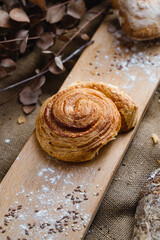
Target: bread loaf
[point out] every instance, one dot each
(147, 226)
(140, 19)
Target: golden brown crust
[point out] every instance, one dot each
(140, 19)
(147, 218)
(75, 123)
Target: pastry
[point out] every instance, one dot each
(147, 226)
(75, 123)
(140, 19)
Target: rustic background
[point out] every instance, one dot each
(115, 217)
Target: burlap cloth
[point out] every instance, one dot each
(115, 217)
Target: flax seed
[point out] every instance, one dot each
(85, 198)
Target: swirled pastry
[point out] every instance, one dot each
(75, 123)
(140, 19)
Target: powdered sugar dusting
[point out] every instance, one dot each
(129, 61)
(134, 55)
(54, 209)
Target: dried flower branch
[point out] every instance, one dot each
(24, 26)
(80, 30)
(19, 39)
(47, 70)
(22, 22)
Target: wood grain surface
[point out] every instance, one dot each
(43, 198)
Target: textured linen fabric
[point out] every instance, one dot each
(115, 217)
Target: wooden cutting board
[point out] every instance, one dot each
(42, 198)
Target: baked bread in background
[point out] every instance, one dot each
(75, 123)
(147, 226)
(140, 19)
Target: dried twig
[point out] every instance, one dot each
(47, 70)
(24, 81)
(75, 35)
(21, 39)
(62, 4)
(80, 30)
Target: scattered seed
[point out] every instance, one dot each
(85, 198)
(42, 226)
(26, 232)
(101, 227)
(58, 208)
(19, 207)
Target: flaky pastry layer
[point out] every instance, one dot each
(75, 123)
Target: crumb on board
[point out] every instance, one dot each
(155, 138)
(158, 162)
(21, 119)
